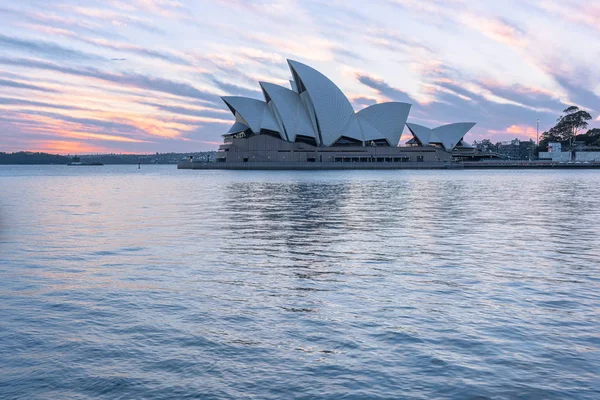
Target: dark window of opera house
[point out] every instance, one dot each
(346, 141)
(306, 139)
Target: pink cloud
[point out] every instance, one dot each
(586, 12)
(522, 132)
(495, 29)
(67, 147)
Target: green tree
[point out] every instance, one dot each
(570, 123)
(488, 146)
(591, 137)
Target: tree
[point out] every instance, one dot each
(485, 146)
(571, 122)
(488, 146)
(591, 137)
(567, 125)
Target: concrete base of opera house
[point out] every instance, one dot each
(264, 152)
(276, 165)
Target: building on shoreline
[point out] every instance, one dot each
(555, 153)
(314, 122)
(516, 149)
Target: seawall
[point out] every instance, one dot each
(383, 165)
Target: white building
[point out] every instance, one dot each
(316, 112)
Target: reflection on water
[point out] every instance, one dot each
(158, 283)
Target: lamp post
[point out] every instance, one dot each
(537, 132)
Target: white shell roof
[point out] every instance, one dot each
(420, 132)
(291, 110)
(332, 109)
(451, 134)
(237, 127)
(315, 107)
(446, 135)
(353, 129)
(252, 112)
(387, 119)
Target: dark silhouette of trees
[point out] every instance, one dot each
(486, 146)
(27, 157)
(567, 125)
(590, 138)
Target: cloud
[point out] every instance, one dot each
(116, 46)
(128, 79)
(581, 96)
(260, 55)
(531, 97)
(48, 49)
(583, 12)
(20, 85)
(194, 112)
(344, 53)
(117, 19)
(310, 47)
(236, 90)
(30, 103)
(457, 103)
(141, 51)
(103, 137)
(521, 130)
(110, 125)
(496, 29)
(50, 19)
(66, 147)
(383, 88)
(396, 42)
(360, 102)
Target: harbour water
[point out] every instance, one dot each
(158, 283)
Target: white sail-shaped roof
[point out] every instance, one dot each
(420, 132)
(253, 113)
(269, 122)
(387, 119)
(290, 109)
(237, 127)
(369, 131)
(449, 135)
(251, 110)
(446, 135)
(316, 108)
(353, 129)
(332, 110)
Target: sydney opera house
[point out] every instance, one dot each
(314, 122)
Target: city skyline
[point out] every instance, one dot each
(147, 75)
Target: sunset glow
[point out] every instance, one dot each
(146, 75)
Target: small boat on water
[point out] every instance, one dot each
(76, 161)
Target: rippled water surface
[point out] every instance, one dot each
(158, 283)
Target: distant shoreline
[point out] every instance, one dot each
(34, 158)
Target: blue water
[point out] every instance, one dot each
(158, 283)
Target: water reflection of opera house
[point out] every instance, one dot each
(315, 122)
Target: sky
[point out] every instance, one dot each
(146, 76)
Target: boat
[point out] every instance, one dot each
(76, 161)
